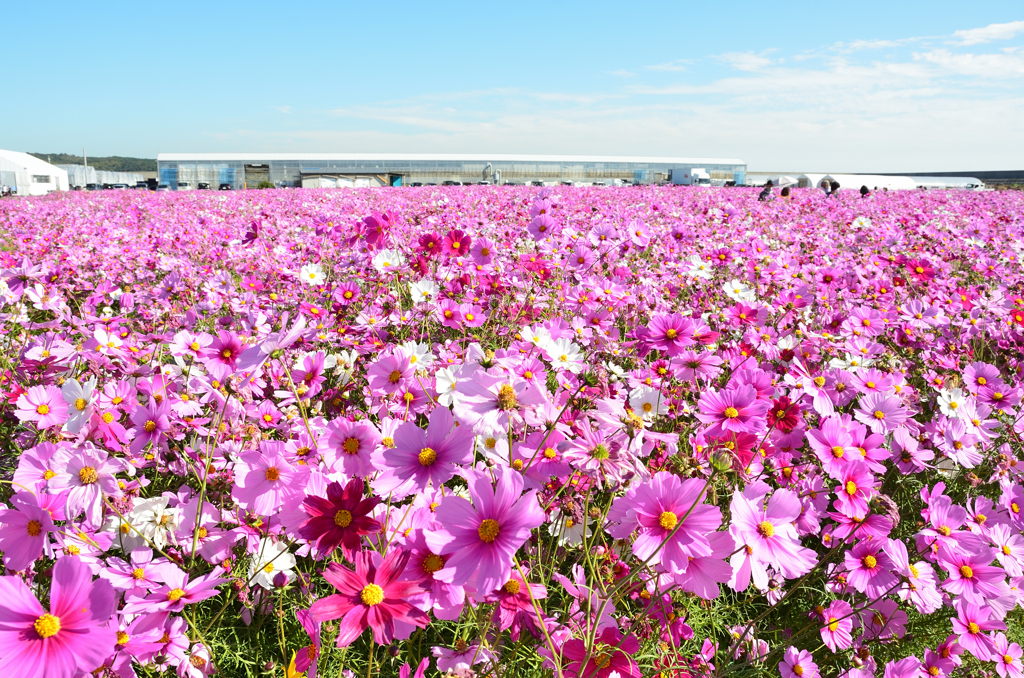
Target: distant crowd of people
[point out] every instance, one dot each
(831, 189)
(6, 191)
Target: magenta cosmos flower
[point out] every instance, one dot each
(670, 333)
(611, 656)
(481, 538)
(176, 592)
(44, 405)
(421, 459)
(736, 409)
(340, 519)
(371, 597)
(71, 639)
(26, 530)
(88, 474)
(837, 620)
(881, 413)
(970, 625)
(668, 536)
(798, 664)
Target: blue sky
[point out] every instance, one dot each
(865, 86)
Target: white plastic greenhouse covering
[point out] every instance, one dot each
(83, 176)
(32, 176)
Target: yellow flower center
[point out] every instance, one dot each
(88, 475)
(507, 399)
(175, 595)
(966, 572)
(43, 410)
(34, 528)
(80, 404)
(395, 376)
(350, 446)
(427, 456)
(149, 426)
(944, 531)
(272, 474)
(138, 573)
(550, 453)
(668, 520)
(432, 563)
(488, 530)
(47, 626)
(122, 638)
(671, 334)
(870, 561)
(838, 452)
(511, 587)
(833, 624)
(819, 381)
(798, 670)
(372, 595)
(973, 627)
(47, 474)
(343, 518)
(766, 529)
(731, 412)
(851, 488)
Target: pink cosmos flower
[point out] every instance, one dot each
(424, 458)
(673, 523)
(798, 664)
(881, 413)
(225, 350)
(44, 405)
(856, 485)
(176, 593)
(735, 409)
(481, 538)
(768, 535)
(88, 473)
(350, 445)
(670, 333)
(837, 620)
(869, 568)
(542, 227)
(970, 624)
(151, 424)
(456, 243)
(373, 596)
(265, 478)
(71, 639)
(1007, 657)
(832, 443)
(489, 403)
(25, 533)
(884, 620)
(390, 373)
(971, 575)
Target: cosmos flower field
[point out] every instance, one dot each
(512, 431)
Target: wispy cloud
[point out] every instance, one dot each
(976, 65)
(677, 66)
(745, 61)
(990, 33)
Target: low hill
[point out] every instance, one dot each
(114, 163)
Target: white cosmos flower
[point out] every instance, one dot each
(419, 353)
(648, 402)
(698, 268)
(387, 260)
(80, 398)
(271, 557)
(951, 403)
(537, 337)
(312, 274)
(423, 291)
(739, 291)
(568, 532)
(446, 381)
(154, 520)
(564, 354)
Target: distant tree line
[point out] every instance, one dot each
(114, 163)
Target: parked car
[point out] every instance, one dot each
(184, 186)
(225, 187)
(163, 187)
(93, 187)
(203, 186)
(141, 184)
(119, 187)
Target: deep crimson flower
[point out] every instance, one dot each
(340, 519)
(371, 597)
(783, 414)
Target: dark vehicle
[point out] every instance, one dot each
(203, 186)
(119, 187)
(141, 184)
(93, 187)
(163, 187)
(107, 187)
(416, 183)
(452, 183)
(225, 187)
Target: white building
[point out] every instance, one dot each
(30, 175)
(874, 182)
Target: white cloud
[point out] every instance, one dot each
(745, 61)
(677, 65)
(977, 36)
(977, 65)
